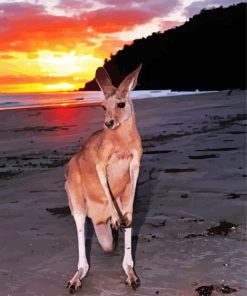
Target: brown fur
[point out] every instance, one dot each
(110, 147)
(102, 176)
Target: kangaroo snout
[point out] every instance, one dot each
(109, 124)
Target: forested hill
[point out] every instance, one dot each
(208, 52)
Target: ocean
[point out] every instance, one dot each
(29, 100)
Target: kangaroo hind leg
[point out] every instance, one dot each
(76, 203)
(128, 264)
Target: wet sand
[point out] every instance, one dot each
(189, 231)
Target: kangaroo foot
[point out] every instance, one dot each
(132, 279)
(75, 282)
(73, 286)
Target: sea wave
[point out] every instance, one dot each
(29, 100)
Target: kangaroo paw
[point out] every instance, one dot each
(127, 220)
(115, 222)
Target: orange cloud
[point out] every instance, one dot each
(55, 46)
(27, 27)
(115, 20)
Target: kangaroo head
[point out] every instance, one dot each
(117, 104)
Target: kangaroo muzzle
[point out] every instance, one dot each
(109, 124)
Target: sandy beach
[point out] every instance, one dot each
(189, 231)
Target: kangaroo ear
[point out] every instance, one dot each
(129, 83)
(104, 82)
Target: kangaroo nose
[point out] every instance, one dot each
(109, 124)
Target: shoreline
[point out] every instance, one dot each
(53, 106)
(87, 102)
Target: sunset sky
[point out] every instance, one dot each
(58, 44)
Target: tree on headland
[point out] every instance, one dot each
(208, 52)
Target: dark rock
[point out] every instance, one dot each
(223, 229)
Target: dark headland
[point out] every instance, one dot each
(208, 52)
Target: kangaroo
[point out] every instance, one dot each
(101, 178)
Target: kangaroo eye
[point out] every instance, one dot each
(121, 105)
(104, 107)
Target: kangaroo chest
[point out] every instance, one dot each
(119, 162)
